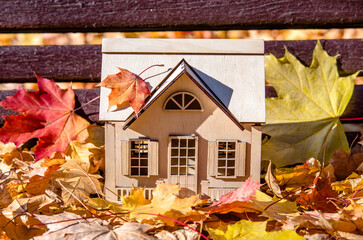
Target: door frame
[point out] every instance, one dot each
(188, 183)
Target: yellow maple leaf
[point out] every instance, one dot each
(304, 116)
(245, 229)
(165, 202)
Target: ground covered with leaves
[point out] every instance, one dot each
(61, 197)
(52, 164)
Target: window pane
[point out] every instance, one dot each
(183, 171)
(183, 161)
(178, 98)
(135, 171)
(174, 161)
(143, 171)
(171, 105)
(222, 154)
(174, 152)
(222, 145)
(143, 162)
(194, 105)
(183, 152)
(187, 98)
(174, 170)
(183, 142)
(221, 163)
(230, 172)
(174, 143)
(221, 172)
(231, 154)
(232, 145)
(230, 163)
(191, 152)
(134, 154)
(191, 142)
(134, 162)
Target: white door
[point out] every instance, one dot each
(183, 163)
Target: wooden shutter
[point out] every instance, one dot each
(241, 159)
(153, 158)
(125, 149)
(212, 159)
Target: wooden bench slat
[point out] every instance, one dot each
(90, 112)
(82, 63)
(166, 15)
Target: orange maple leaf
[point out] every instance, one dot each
(47, 114)
(126, 88)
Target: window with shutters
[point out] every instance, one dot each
(226, 158)
(139, 157)
(182, 101)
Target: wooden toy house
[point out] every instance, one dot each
(199, 127)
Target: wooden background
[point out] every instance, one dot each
(83, 63)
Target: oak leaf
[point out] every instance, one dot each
(47, 114)
(126, 88)
(305, 114)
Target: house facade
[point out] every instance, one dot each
(189, 130)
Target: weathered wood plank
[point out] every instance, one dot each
(90, 112)
(62, 63)
(164, 15)
(83, 63)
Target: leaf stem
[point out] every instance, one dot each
(155, 65)
(76, 219)
(351, 119)
(174, 220)
(96, 98)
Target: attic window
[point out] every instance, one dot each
(182, 101)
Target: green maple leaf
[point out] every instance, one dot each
(304, 119)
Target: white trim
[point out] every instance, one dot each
(185, 46)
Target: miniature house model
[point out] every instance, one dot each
(199, 127)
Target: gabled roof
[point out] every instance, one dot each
(181, 68)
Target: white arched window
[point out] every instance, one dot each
(182, 101)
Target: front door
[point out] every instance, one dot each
(183, 163)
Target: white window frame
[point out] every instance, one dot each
(226, 159)
(147, 158)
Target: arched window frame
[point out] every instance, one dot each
(183, 107)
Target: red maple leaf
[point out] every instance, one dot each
(47, 114)
(126, 88)
(235, 199)
(320, 196)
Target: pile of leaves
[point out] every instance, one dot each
(52, 162)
